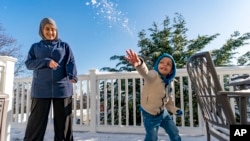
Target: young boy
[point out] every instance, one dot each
(154, 95)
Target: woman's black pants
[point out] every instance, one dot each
(38, 119)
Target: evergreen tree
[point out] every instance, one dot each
(173, 39)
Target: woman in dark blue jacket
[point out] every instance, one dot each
(54, 71)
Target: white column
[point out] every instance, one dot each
(7, 80)
(93, 97)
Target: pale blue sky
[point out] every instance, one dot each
(99, 29)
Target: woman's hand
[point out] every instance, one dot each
(132, 58)
(72, 80)
(53, 64)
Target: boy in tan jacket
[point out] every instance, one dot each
(155, 98)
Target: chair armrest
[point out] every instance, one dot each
(235, 93)
(242, 82)
(242, 96)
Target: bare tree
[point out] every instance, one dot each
(10, 47)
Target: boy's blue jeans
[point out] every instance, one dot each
(153, 122)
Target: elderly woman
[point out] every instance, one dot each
(54, 71)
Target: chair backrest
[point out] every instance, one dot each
(206, 85)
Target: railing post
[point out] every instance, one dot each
(7, 80)
(93, 97)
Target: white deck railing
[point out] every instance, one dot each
(7, 65)
(106, 101)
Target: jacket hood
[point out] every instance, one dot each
(45, 21)
(171, 76)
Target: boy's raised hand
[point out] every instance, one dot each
(132, 58)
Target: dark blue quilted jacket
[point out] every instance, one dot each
(49, 83)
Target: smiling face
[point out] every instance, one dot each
(49, 31)
(165, 66)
